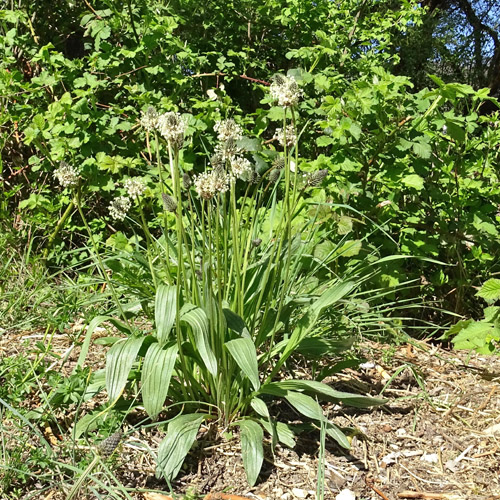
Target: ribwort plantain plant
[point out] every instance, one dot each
(231, 303)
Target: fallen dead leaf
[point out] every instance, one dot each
(156, 496)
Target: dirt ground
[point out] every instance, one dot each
(437, 437)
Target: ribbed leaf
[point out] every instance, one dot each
(260, 407)
(165, 310)
(308, 321)
(335, 433)
(252, 450)
(319, 346)
(285, 434)
(90, 330)
(323, 390)
(244, 353)
(236, 323)
(181, 434)
(305, 404)
(157, 370)
(310, 408)
(119, 361)
(196, 318)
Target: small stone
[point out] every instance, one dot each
(431, 458)
(346, 495)
(298, 493)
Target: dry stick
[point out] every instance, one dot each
(376, 490)
(484, 404)
(427, 496)
(245, 77)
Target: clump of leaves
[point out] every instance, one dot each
(232, 300)
(482, 336)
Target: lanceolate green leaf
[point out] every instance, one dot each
(305, 405)
(157, 370)
(252, 450)
(324, 391)
(181, 434)
(284, 432)
(119, 361)
(310, 408)
(244, 353)
(196, 318)
(260, 407)
(90, 330)
(308, 321)
(165, 310)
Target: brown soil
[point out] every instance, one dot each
(434, 441)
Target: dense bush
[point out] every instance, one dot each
(75, 82)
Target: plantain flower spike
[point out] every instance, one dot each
(228, 129)
(109, 445)
(119, 207)
(66, 174)
(285, 91)
(169, 204)
(149, 119)
(209, 184)
(316, 178)
(134, 187)
(288, 137)
(172, 126)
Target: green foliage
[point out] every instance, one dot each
(481, 336)
(232, 286)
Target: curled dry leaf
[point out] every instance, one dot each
(156, 496)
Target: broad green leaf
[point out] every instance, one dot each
(335, 433)
(490, 291)
(324, 140)
(307, 406)
(323, 390)
(285, 434)
(244, 353)
(349, 249)
(304, 326)
(477, 336)
(260, 407)
(422, 149)
(181, 434)
(252, 450)
(320, 346)
(90, 330)
(119, 360)
(344, 225)
(197, 319)
(165, 311)
(157, 370)
(236, 323)
(455, 131)
(414, 181)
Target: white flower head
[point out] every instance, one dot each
(66, 174)
(285, 90)
(288, 135)
(134, 186)
(149, 118)
(228, 129)
(228, 149)
(119, 207)
(172, 126)
(241, 167)
(208, 184)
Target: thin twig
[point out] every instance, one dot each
(245, 77)
(428, 496)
